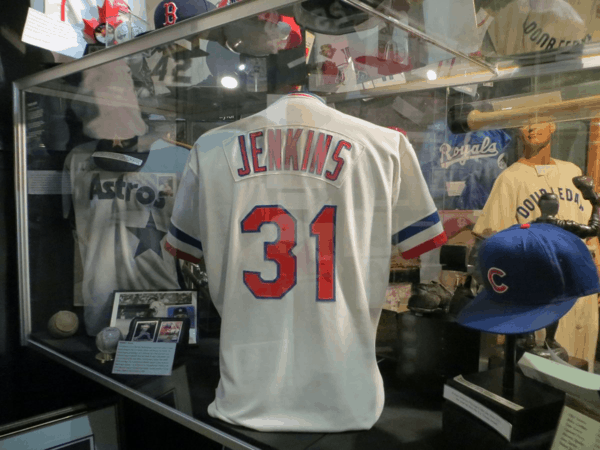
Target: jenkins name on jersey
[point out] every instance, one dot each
(294, 210)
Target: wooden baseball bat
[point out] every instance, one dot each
(464, 118)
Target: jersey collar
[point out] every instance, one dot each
(306, 95)
(530, 164)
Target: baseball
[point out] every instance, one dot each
(63, 324)
(108, 339)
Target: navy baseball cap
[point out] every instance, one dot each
(170, 12)
(533, 274)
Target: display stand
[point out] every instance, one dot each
(500, 408)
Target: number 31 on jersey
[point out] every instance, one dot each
(322, 228)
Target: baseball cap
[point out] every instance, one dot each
(533, 275)
(331, 16)
(170, 12)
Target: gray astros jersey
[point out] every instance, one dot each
(121, 221)
(294, 210)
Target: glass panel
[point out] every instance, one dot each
(107, 147)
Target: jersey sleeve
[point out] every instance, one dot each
(500, 209)
(416, 224)
(183, 239)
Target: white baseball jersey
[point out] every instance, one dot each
(71, 11)
(121, 221)
(294, 210)
(536, 25)
(116, 112)
(516, 191)
(177, 69)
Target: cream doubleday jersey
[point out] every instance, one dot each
(294, 210)
(535, 25)
(121, 222)
(516, 192)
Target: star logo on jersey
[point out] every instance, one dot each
(150, 238)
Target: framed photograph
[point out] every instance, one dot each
(87, 430)
(170, 331)
(148, 307)
(145, 330)
(161, 329)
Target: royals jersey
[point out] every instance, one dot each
(294, 210)
(460, 169)
(516, 192)
(121, 222)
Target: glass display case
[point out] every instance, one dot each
(102, 144)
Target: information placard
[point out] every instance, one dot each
(144, 358)
(576, 431)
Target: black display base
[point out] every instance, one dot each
(464, 431)
(432, 349)
(541, 404)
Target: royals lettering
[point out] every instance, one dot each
(466, 152)
(126, 191)
(300, 150)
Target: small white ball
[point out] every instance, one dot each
(63, 324)
(108, 339)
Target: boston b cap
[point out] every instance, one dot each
(174, 11)
(533, 274)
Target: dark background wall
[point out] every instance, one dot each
(31, 383)
(14, 66)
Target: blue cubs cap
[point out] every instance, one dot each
(174, 11)
(533, 274)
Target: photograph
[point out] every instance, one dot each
(145, 331)
(181, 312)
(169, 331)
(128, 305)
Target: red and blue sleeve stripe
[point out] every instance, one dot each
(420, 237)
(183, 246)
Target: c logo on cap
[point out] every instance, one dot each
(499, 288)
